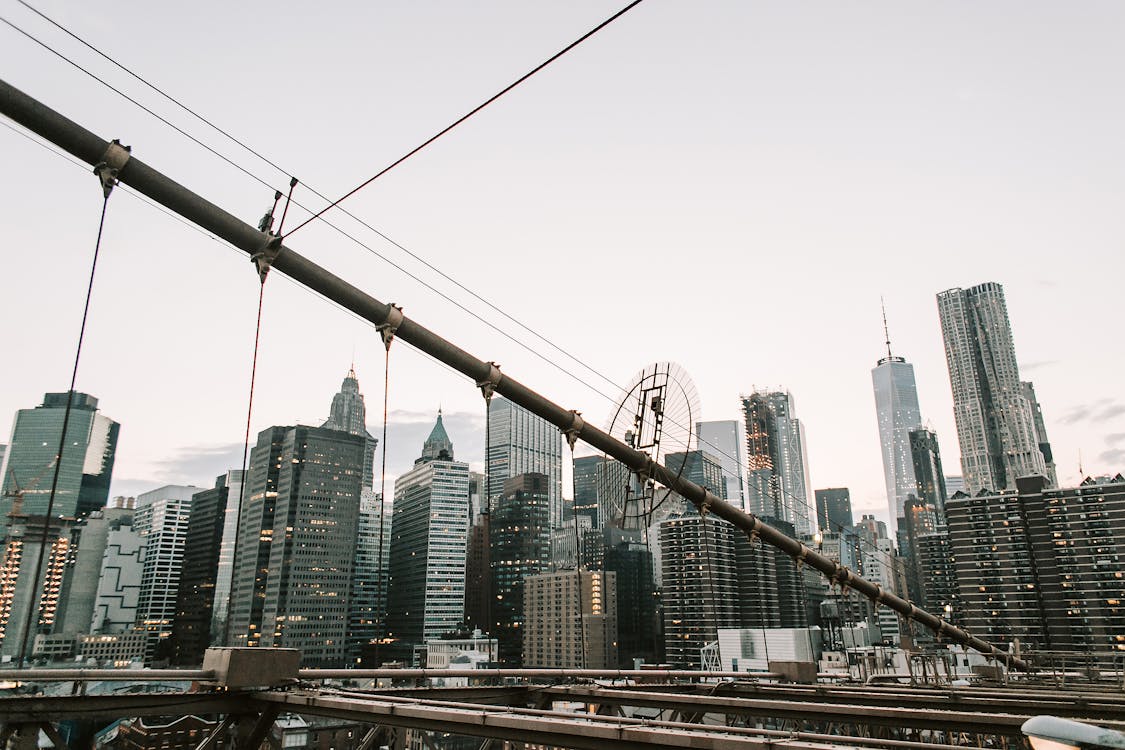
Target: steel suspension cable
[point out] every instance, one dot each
(469, 114)
(33, 611)
(381, 576)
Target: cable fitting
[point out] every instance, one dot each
(489, 385)
(388, 328)
(705, 506)
(265, 257)
(576, 425)
(113, 161)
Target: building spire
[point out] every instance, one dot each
(886, 331)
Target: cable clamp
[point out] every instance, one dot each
(705, 506)
(576, 425)
(113, 161)
(388, 328)
(264, 258)
(489, 385)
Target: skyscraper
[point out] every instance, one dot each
(771, 590)
(833, 509)
(700, 585)
(777, 483)
(161, 518)
(428, 545)
(928, 472)
(585, 470)
(996, 424)
(520, 548)
(699, 467)
(87, 460)
(22, 596)
(313, 544)
(723, 439)
(896, 407)
(296, 548)
(349, 414)
(367, 605)
(520, 442)
(200, 591)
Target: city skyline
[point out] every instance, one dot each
(916, 160)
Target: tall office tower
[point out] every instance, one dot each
(313, 544)
(520, 442)
(161, 518)
(234, 483)
(700, 584)
(833, 509)
(896, 406)
(1028, 389)
(87, 460)
(428, 545)
(349, 414)
(83, 567)
(771, 589)
(23, 596)
(723, 439)
(638, 614)
(255, 532)
(570, 620)
(478, 576)
(928, 475)
(933, 561)
(119, 582)
(699, 467)
(200, 590)
(367, 605)
(585, 470)
(995, 421)
(520, 548)
(777, 483)
(1043, 565)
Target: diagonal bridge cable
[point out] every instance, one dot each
(420, 259)
(469, 114)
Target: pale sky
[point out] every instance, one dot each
(727, 185)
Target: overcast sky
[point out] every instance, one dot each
(728, 185)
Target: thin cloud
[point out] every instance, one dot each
(1114, 438)
(1100, 410)
(1114, 410)
(1041, 364)
(1113, 456)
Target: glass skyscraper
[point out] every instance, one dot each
(723, 440)
(296, 549)
(520, 442)
(87, 459)
(896, 406)
(777, 483)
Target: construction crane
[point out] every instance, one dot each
(17, 492)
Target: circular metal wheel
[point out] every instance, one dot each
(656, 416)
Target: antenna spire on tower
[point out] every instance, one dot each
(886, 331)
